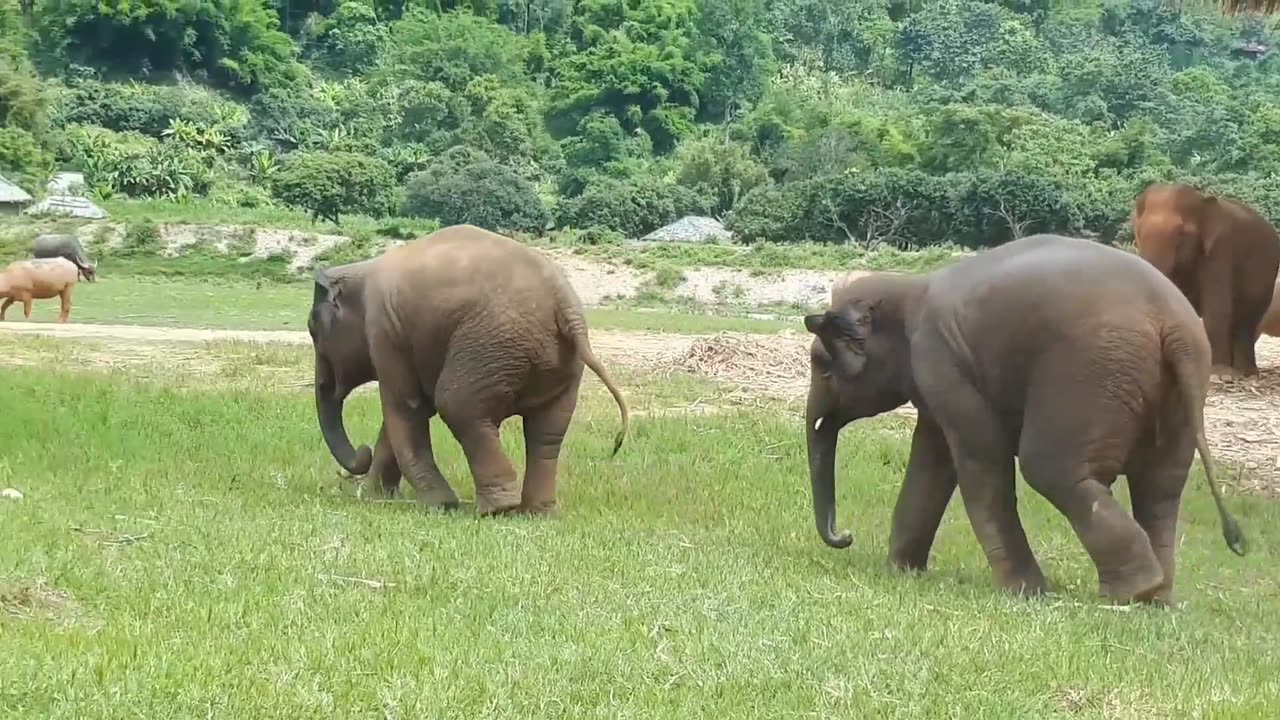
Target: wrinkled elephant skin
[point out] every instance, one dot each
(468, 325)
(1221, 254)
(1081, 361)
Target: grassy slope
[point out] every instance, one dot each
(246, 305)
(682, 579)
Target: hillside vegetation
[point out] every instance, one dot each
(867, 122)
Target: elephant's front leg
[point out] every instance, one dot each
(930, 482)
(406, 414)
(544, 431)
(1215, 309)
(384, 475)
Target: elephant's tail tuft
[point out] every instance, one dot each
(1192, 387)
(574, 326)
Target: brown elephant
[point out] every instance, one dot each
(1270, 324)
(1079, 359)
(1221, 254)
(466, 324)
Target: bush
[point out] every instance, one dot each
(137, 165)
(328, 184)
(633, 207)
(987, 207)
(151, 109)
(23, 160)
(465, 186)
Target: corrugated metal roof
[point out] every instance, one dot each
(12, 194)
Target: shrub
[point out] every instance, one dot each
(137, 165)
(328, 184)
(633, 207)
(988, 206)
(465, 186)
(23, 160)
(720, 172)
(151, 109)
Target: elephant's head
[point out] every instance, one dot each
(90, 272)
(343, 363)
(860, 366)
(1170, 224)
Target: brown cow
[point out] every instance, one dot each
(27, 280)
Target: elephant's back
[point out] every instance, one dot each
(1051, 278)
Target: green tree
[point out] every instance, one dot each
(234, 43)
(465, 186)
(329, 184)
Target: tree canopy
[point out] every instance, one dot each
(844, 121)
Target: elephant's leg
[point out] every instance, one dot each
(5, 307)
(475, 391)
(495, 477)
(1215, 309)
(26, 307)
(1157, 474)
(1244, 335)
(928, 487)
(544, 431)
(1076, 478)
(406, 413)
(384, 475)
(985, 474)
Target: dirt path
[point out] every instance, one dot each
(1243, 416)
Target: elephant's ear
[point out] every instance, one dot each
(851, 323)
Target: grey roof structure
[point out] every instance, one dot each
(11, 194)
(73, 205)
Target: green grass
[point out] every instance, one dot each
(176, 554)
(244, 304)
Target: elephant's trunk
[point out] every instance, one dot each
(822, 476)
(329, 403)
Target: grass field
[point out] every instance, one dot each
(248, 305)
(185, 549)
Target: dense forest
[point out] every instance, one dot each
(905, 122)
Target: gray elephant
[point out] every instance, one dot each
(1081, 360)
(466, 324)
(65, 246)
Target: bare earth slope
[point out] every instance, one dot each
(1243, 417)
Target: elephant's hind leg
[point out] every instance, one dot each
(544, 431)
(1157, 475)
(1062, 465)
(4, 308)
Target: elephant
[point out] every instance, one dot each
(1079, 359)
(1270, 323)
(66, 246)
(1221, 254)
(463, 323)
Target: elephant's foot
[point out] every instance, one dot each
(908, 559)
(1025, 585)
(1224, 373)
(544, 508)
(373, 489)
(1024, 580)
(1142, 582)
(437, 495)
(498, 500)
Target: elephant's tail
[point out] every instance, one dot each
(1191, 385)
(574, 326)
